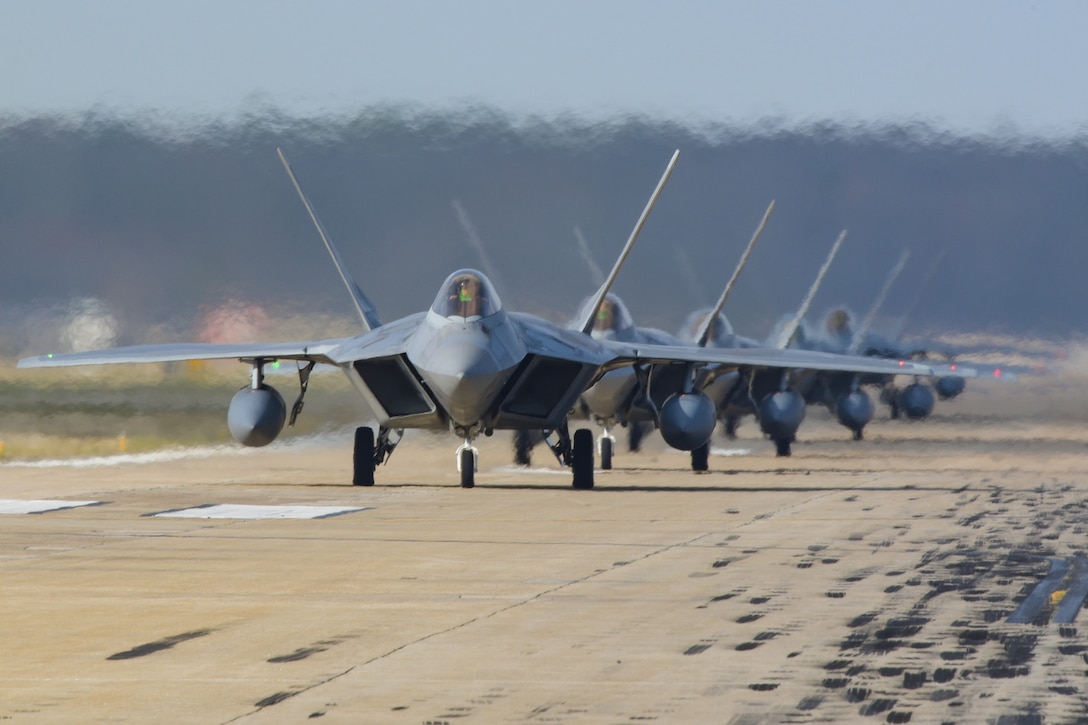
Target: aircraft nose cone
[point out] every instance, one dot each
(465, 377)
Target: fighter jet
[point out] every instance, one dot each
(620, 397)
(617, 397)
(779, 401)
(842, 394)
(469, 366)
(770, 394)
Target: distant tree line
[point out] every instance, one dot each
(159, 221)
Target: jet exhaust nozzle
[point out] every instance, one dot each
(781, 414)
(916, 401)
(854, 410)
(687, 420)
(949, 386)
(256, 416)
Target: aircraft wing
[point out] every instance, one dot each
(385, 341)
(1008, 373)
(317, 350)
(775, 358)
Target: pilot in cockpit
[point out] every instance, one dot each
(466, 296)
(838, 327)
(606, 316)
(611, 320)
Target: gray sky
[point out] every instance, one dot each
(986, 66)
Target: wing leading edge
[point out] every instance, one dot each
(774, 358)
(317, 351)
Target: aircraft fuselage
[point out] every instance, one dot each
(466, 364)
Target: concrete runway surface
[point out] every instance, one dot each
(859, 582)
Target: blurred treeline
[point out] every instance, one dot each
(160, 221)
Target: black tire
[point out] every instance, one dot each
(635, 433)
(363, 458)
(782, 447)
(858, 435)
(468, 469)
(523, 447)
(582, 459)
(606, 454)
(700, 458)
(731, 423)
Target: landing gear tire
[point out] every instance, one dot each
(582, 458)
(363, 458)
(523, 447)
(858, 435)
(782, 447)
(468, 468)
(606, 454)
(731, 424)
(635, 432)
(700, 458)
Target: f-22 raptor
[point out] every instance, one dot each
(469, 366)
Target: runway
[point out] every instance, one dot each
(852, 582)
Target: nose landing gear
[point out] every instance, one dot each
(468, 457)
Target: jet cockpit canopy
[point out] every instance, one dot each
(468, 295)
(720, 332)
(612, 321)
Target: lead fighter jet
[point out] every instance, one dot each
(469, 366)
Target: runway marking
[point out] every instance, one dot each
(40, 506)
(242, 511)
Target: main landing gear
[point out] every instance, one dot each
(606, 443)
(581, 463)
(700, 458)
(370, 451)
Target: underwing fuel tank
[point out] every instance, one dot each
(256, 415)
(781, 413)
(949, 386)
(687, 420)
(916, 400)
(854, 410)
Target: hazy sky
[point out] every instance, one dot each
(967, 65)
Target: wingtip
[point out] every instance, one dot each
(32, 362)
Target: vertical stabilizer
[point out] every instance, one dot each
(587, 256)
(791, 329)
(708, 323)
(367, 313)
(587, 324)
(863, 328)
